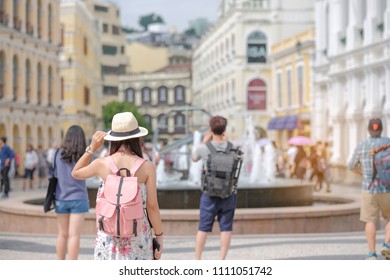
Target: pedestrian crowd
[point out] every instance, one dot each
(122, 234)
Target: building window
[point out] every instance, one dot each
(62, 88)
(99, 8)
(2, 74)
(28, 80)
(257, 48)
(279, 89)
(105, 28)
(146, 93)
(16, 21)
(115, 30)
(110, 90)
(29, 26)
(50, 24)
(300, 84)
(130, 95)
(257, 95)
(39, 17)
(179, 123)
(163, 95)
(39, 84)
(148, 120)
(85, 46)
(109, 50)
(50, 86)
(86, 96)
(15, 74)
(163, 123)
(289, 88)
(179, 95)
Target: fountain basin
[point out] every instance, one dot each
(335, 213)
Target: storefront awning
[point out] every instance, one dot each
(281, 123)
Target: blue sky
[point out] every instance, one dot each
(175, 12)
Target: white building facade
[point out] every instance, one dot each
(231, 67)
(351, 73)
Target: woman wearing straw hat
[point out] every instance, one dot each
(125, 150)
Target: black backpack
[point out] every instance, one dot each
(221, 172)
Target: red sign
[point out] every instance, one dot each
(257, 95)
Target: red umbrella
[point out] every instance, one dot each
(301, 141)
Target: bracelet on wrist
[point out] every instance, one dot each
(159, 234)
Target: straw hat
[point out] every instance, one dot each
(125, 126)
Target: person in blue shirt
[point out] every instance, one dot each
(375, 195)
(6, 156)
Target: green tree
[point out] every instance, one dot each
(146, 20)
(114, 107)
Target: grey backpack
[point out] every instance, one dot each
(221, 172)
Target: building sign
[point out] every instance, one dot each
(257, 53)
(257, 95)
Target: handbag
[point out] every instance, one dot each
(49, 202)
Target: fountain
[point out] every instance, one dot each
(265, 204)
(257, 185)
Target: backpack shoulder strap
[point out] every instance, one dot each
(137, 164)
(229, 147)
(112, 164)
(211, 147)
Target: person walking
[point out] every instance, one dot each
(42, 167)
(72, 202)
(6, 157)
(125, 152)
(211, 206)
(30, 164)
(375, 196)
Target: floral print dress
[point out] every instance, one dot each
(138, 247)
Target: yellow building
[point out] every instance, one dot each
(30, 91)
(291, 61)
(80, 68)
(145, 58)
(113, 44)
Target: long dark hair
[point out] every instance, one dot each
(133, 144)
(74, 144)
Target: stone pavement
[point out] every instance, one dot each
(322, 246)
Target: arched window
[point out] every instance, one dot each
(180, 123)
(49, 21)
(162, 123)
(179, 95)
(148, 119)
(28, 18)
(28, 81)
(257, 48)
(257, 95)
(50, 86)
(2, 74)
(163, 95)
(39, 17)
(129, 95)
(15, 78)
(39, 84)
(146, 95)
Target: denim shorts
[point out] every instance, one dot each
(77, 206)
(223, 208)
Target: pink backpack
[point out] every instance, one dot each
(119, 207)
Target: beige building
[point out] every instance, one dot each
(80, 68)
(231, 66)
(113, 44)
(290, 98)
(30, 91)
(157, 95)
